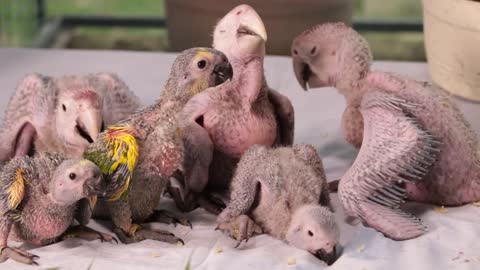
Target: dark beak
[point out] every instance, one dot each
(96, 186)
(222, 72)
(306, 73)
(303, 72)
(329, 258)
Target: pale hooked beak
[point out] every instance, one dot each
(252, 25)
(303, 72)
(89, 124)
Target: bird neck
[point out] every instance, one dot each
(353, 89)
(250, 78)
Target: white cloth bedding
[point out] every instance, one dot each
(451, 242)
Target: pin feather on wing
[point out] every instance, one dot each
(13, 183)
(396, 149)
(116, 154)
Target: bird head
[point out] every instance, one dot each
(313, 228)
(78, 113)
(330, 54)
(75, 179)
(197, 69)
(241, 34)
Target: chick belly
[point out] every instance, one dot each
(40, 230)
(144, 197)
(234, 133)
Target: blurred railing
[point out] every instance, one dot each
(21, 20)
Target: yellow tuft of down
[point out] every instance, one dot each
(123, 150)
(203, 53)
(16, 190)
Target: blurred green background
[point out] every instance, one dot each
(18, 25)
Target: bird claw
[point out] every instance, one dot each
(88, 234)
(240, 228)
(143, 234)
(18, 255)
(211, 203)
(168, 217)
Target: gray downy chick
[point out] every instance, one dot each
(285, 192)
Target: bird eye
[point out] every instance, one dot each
(310, 233)
(64, 108)
(72, 176)
(201, 64)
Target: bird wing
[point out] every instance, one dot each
(396, 149)
(27, 109)
(116, 154)
(13, 183)
(119, 101)
(284, 113)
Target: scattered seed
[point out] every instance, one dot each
(361, 248)
(441, 209)
(154, 254)
(292, 261)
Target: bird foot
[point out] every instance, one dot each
(240, 228)
(168, 217)
(88, 234)
(18, 255)
(143, 234)
(211, 203)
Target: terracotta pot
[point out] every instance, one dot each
(191, 23)
(452, 43)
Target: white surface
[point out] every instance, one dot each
(318, 115)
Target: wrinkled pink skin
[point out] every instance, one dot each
(337, 56)
(44, 226)
(235, 119)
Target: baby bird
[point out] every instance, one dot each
(236, 114)
(138, 155)
(38, 198)
(285, 192)
(414, 141)
(62, 115)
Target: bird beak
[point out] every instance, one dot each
(222, 72)
(303, 72)
(89, 124)
(327, 257)
(252, 25)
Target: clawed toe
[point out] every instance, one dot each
(168, 217)
(88, 234)
(211, 204)
(143, 234)
(242, 228)
(18, 255)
